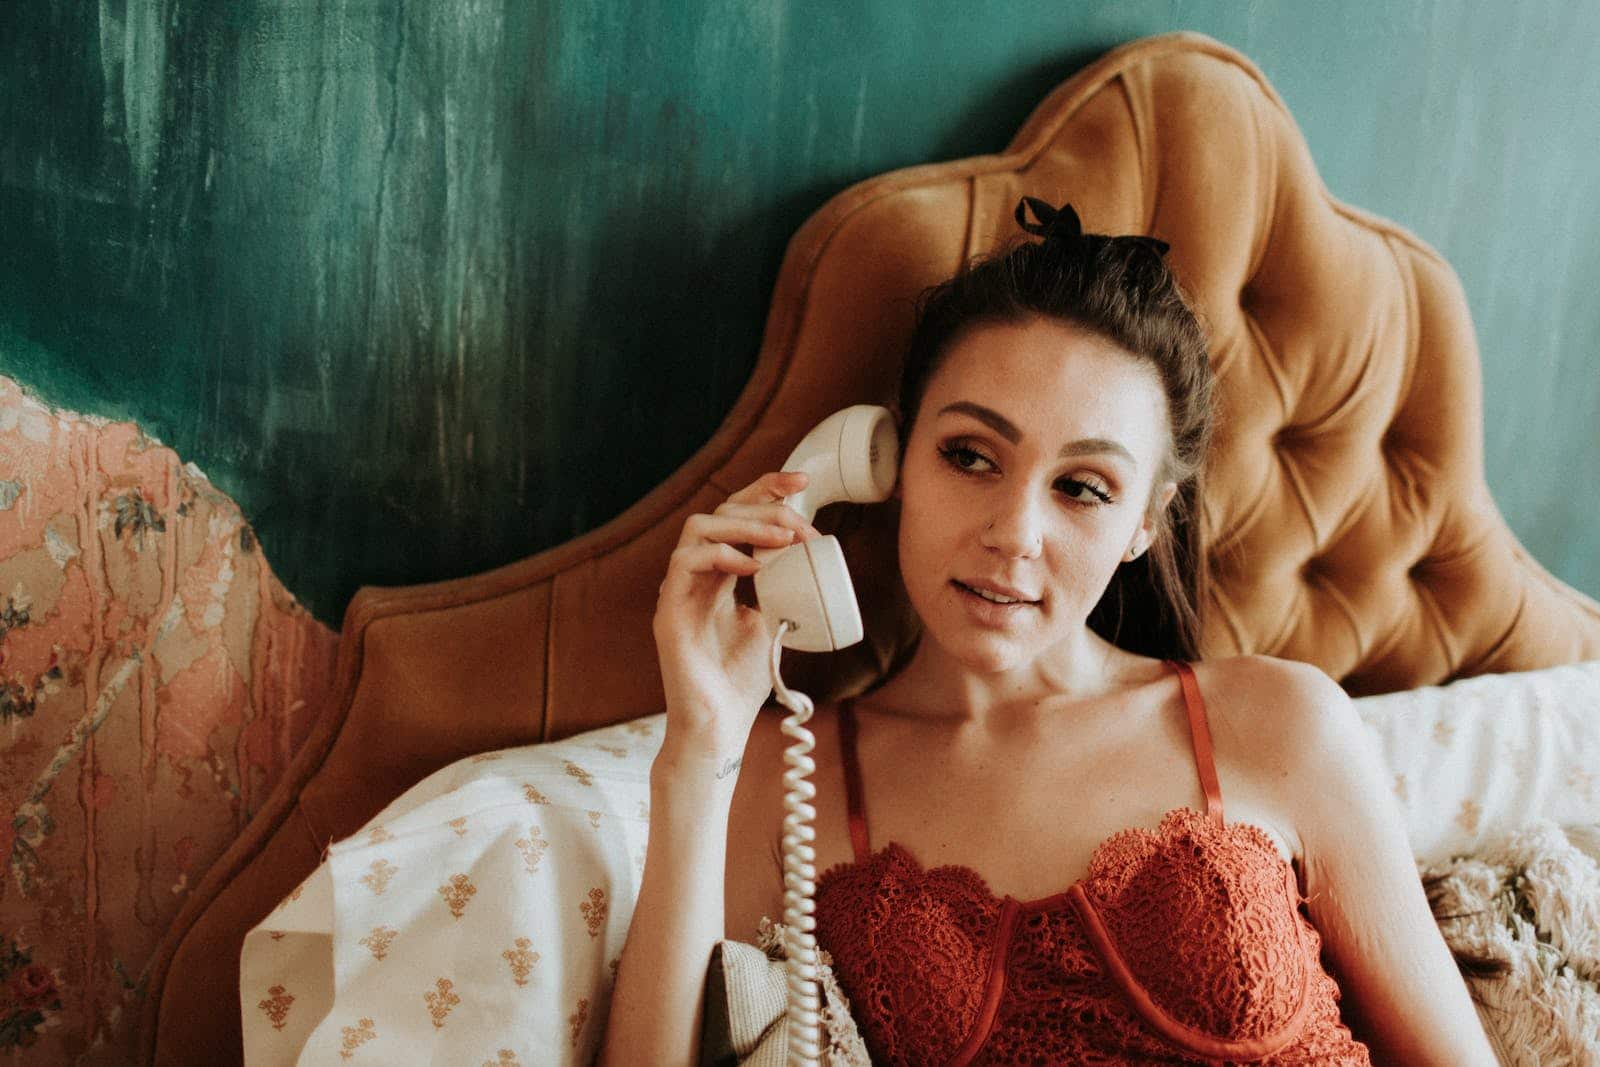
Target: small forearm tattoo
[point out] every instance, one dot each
(728, 767)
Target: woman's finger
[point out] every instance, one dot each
(739, 531)
(692, 564)
(772, 486)
(773, 514)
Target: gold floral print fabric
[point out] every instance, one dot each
(1479, 758)
(479, 918)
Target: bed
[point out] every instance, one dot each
(1347, 519)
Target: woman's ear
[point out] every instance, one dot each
(1168, 491)
(1142, 536)
(900, 439)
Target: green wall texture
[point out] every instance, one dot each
(431, 286)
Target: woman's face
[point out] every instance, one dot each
(1030, 466)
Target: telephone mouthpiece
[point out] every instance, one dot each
(809, 584)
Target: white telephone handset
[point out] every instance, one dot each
(851, 455)
(805, 594)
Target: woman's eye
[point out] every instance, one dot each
(1095, 494)
(952, 455)
(958, 456)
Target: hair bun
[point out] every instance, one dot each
(1053, 223)
(1062, 224)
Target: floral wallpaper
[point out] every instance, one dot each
(155, 681)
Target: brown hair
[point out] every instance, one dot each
(1122, 289)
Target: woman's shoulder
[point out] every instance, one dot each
(1271, 721)
(1285, 698)
(1275, 719)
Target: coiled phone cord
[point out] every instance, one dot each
(804, 1016)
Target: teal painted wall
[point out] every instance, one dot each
(429, 287)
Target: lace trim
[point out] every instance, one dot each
(1106, 861)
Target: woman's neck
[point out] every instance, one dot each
(937, 686)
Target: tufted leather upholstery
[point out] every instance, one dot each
(1348, 519)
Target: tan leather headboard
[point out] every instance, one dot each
(1346, 513)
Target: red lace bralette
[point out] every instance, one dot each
(1185, 944)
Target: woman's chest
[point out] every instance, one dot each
(1029, 819)
(1191, 930)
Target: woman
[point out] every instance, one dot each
(1055, 410)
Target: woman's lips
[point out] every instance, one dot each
(987, 610)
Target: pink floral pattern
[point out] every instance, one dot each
(30, 998)
(155, 681)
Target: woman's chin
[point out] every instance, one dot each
(980, 642)
(984, 650)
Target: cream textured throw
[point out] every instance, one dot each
(1536, 898)
(747, 998)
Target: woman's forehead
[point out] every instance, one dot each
(1040, 348)
(1053, 378)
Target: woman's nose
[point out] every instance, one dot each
(1017, 529)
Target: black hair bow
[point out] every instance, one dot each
(1061, 224)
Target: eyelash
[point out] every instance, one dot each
(956, 448)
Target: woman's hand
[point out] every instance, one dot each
(714, 652)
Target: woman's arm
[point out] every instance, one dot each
(1402, 992)
(658, 1002)
(714, 654)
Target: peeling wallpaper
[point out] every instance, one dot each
(120, 786)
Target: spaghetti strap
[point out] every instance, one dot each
(1200, 732)
(852, 779)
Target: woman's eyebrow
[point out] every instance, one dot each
(1007, 429)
